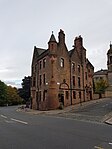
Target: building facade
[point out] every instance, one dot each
(60, 76)
(106, 74)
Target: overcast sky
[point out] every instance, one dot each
(28, 23)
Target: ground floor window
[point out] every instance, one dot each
(67, 95)
(80, 95)
(74, 94)
(39, 95)
(44, 94)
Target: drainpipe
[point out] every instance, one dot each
(83, 82)
(37, 86)
(70, 82)
(83, 75)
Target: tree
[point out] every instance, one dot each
(100, 87)
(3, 93)
(9, 95)
(24, 92)
(12, 96)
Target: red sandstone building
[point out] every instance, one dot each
(60, 76)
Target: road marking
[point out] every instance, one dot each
(98, 147)
(19, 121)
(110, 143)
(9, 121)
(3, 116)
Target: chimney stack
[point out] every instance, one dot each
(61, 36)
(78, 42)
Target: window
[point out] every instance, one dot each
(80, 95)
(101, 78)
(74, 94)
(34, 80)
(40, 80)
(86, 75)
(52, 46)
(44, 95)
(110, 59)
(62, 62)
(96, 78)
(78, 67)
(44, 81)
(44, 62)
(40, 64)
(79, 83)
(73, 80)
(88, 70)
(39, 95)
(66, 94)
(73, 66)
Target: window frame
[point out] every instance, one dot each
(73, 66)
(62, 62)
(73, 80)
(79, 82)
(74, 94)
(78, 68)
(44, 62)
(40, 65)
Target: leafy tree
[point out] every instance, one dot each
(12, 96)
(24, 92)
(8, 95)
(3, 93)
(100, 87)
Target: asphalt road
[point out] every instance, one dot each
(97, 111)
(25, 131)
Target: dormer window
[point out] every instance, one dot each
(62, 62)
(73, 66)
(78, 67)
(44, 62)
(40, 64)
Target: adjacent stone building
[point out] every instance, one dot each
(60, 76)
(106, 74)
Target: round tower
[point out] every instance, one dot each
(109, 59)
(52, 44)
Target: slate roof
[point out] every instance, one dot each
(52, 38)
(88, 63)
(101, 72)
(70, 52)
(40, 51)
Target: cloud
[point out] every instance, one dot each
(27, 23)
(13, 83)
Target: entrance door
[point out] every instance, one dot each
(61, 98)
(90, 93)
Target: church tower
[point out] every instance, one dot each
(109, 65)
(109, 58)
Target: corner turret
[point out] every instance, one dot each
(52, 44)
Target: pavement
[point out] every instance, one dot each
(107, 120)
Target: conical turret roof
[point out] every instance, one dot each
(52, 38)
